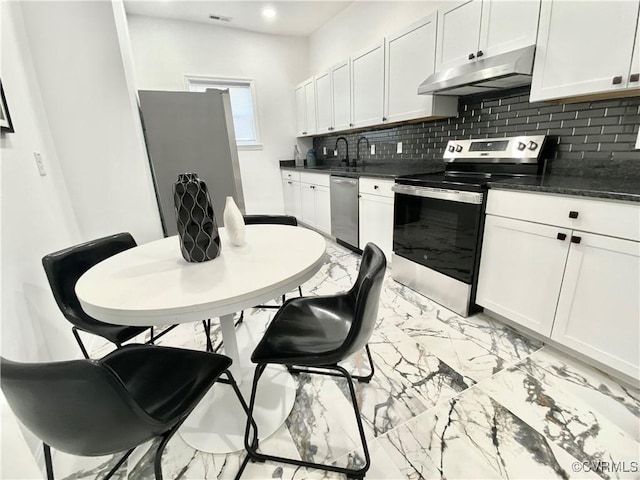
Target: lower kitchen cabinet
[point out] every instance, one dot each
(579, 288)
(291, 191)
(315, 201)
(521, 271)
(376, 214)
(599, 306)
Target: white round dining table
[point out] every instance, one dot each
(152, 285)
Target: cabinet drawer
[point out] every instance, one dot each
(290, 175)
(315, 178)
(375, 186)
(616, 219)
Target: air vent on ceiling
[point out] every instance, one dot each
(220, 18)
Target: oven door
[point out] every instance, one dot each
(438, 228)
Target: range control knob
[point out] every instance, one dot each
(533, 145)
(451, 149)
(458, 148)
(521, 146)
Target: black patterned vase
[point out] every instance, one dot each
(197, 229)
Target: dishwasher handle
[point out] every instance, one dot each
(350, 181)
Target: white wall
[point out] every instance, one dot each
(167, 50)
(96, 131)
(361, 25)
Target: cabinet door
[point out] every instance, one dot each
(376, 222)
(291, 190)
(458, 33)
(310, 106)
(582, 48)
(322, 204)
(307, 201)
(599, 304)
(634, 70)
(301, 111)
(405, 70)
(323, 102)
(508, 25)
(367, 70)
(521, 269)
(341, 85)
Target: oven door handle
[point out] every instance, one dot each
(440, 193)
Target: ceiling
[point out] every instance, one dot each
(293, 17)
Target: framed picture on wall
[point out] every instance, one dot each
(5, 118)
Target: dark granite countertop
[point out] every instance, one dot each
(627, 188)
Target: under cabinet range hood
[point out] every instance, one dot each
(507, 70)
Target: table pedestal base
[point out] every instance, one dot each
(218, 423)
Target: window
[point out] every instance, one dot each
(243, 106)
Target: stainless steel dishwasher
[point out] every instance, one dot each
(344, 210)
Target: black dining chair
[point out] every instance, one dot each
(313, 334)
(258, 220)
(65, 267)
(101, 407)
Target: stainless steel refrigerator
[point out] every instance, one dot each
(191, 132)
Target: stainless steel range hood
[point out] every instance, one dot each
(511, 69)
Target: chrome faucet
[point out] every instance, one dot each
(358, 149)
(346, 142)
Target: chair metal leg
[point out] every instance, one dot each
(77, 335)
(351, 473)
(150, 342)
(360, 378)
(119, 464)
(160, 335)
(300, 290)
(47, 461)
(207, 331)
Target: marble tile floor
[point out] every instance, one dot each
(452, 398)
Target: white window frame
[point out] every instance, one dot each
(225, 83)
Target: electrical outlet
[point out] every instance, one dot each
(373, 149)
(40, 164)
(324, 151)
(399, 147)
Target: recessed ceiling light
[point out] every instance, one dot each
(269, 12)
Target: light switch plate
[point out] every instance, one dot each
(40, 163)
(399, 147)
(324, 151)
(335, 152)
(373, 149)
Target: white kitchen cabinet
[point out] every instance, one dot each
(521, 270)
(367, 86)
(599, 306)
(315, 201)
(376, 214)
(291, 192)
(476, 29)
(404, 71)
(586, 48)
(305, 94)
(324, 100)
(565, 270)
(341, 95)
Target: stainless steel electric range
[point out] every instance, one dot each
(439, 217)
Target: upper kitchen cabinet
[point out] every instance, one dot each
(586, 48)
(333, 98)
(367, 86)
(341, 95)
(410, 58)
(306, 108)
(324, 102)
(475, 29)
